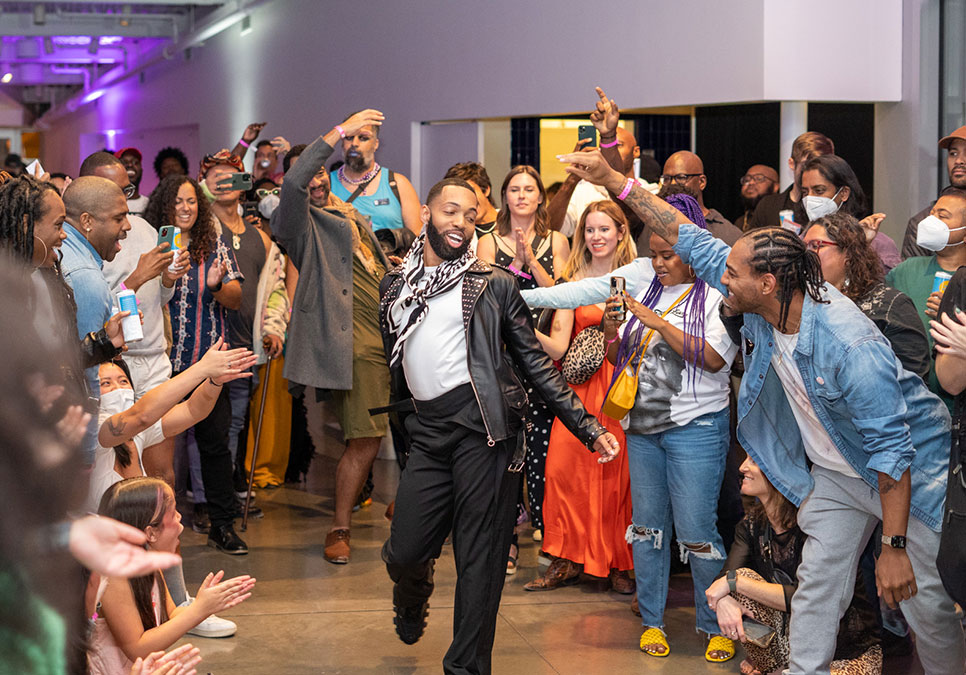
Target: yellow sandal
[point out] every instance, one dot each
(655, 636)
(719, 643)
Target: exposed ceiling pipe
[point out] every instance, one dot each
(214, 23)
(58, 70)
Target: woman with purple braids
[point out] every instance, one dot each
(677, 432)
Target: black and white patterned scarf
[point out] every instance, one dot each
(410, 307)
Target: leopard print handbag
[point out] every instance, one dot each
(585, 355)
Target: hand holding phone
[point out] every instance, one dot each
(618, 287)
(756, 632)
(235, 181)
(588, 132)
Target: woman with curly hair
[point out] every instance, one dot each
(198, 321)
(851, 265)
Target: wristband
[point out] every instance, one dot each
(216, 288)
(732, 581)
(609, 145)
(338, 127)
(627, 189)
(213, 383)
(519, 273)
(614, 339)
(243, 143)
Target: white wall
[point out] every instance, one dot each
(307, 64)
(907, 133)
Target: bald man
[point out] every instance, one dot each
(686, 168)
(575, 195)
(759, 180)
(95, 225)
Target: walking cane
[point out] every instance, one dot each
(258, 436)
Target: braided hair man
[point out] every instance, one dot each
(872, 442)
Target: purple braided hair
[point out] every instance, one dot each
(693, 308)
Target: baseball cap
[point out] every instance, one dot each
(960, 133)
(132, 151)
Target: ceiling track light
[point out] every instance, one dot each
(125, 19)
(40, 14)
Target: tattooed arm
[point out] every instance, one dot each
(217, 366)
(662, 218)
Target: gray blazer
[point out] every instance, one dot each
(318, 350)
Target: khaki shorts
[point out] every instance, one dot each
(147, 372)
(370, 389)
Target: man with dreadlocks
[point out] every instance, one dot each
(815, 363)
(456, 333)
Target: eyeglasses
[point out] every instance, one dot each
(261, 193)
(129, 190)
(678, 178)
(817, 245)
(755, 178)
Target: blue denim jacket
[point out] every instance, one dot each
(880, 417)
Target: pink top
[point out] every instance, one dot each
(105, 657)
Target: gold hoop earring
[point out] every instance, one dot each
(46, 250)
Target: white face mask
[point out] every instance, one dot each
(819, 207)
(114, 402)
(933, 233)
(268, 204)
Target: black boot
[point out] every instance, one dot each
(224, 538)
(411, 621)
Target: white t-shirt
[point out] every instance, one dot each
(665, 396)
(434, 355)
(137, 206)
(584, 195)
(818, 444)
(103, 474)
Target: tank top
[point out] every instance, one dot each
(382, 207)
(105, 656)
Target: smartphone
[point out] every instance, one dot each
(170, 234)
(250, 210)
(617, 287)
(236, 181)
(589, 132)
(757, 633)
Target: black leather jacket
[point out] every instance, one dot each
(499, 337)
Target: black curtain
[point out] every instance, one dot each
(732, 138)
(851, 126)
(525, 141)
(660, 136)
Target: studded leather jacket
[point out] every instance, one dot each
(501, 346)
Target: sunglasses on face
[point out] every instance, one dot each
(261, 193)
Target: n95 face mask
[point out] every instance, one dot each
(819, 207)
(933, 233)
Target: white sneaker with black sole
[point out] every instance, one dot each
(213, 626)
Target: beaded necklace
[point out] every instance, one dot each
(368, 176)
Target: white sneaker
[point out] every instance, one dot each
(213, 626)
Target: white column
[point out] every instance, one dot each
(794, 122)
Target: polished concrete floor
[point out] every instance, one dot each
(309, 616)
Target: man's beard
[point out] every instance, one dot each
(749, 203)
(356, 163)
(441, 247)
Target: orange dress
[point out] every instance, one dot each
(587, 506)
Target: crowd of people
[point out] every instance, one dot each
(779, 399)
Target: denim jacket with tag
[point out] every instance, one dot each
(881, 417)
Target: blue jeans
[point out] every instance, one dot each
(675, 478)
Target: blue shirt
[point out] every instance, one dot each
(82, 267)
(881, 417)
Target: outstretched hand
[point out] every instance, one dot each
(591, 166)
(115, 549)
(252, 130)
(224, 365)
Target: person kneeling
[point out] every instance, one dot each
(758, 581)
(135, 617)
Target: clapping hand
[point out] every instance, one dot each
(950, 334)
(180, 661)
(216, 595)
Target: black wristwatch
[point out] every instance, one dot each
(216, 288)
(897, 541)
(732, 581)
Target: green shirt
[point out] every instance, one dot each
(915, 277)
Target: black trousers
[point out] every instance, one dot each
(454, 481)
(211, 435)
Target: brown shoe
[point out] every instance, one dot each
(621, 582)
(635, 607)
(561, 572)
(337, 546)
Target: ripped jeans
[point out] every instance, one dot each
(676, 477)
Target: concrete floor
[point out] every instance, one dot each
(309, 616)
